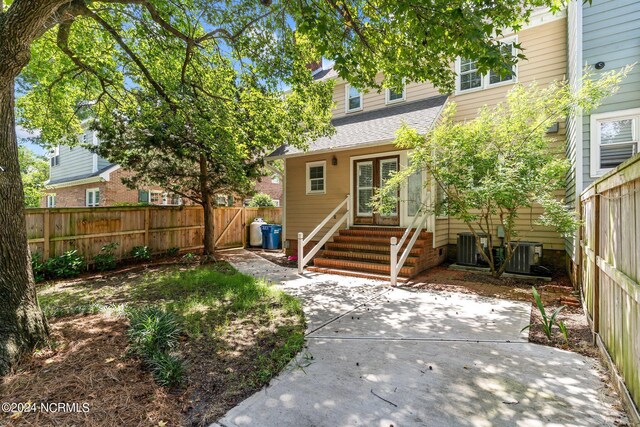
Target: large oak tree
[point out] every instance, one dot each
(413, 39)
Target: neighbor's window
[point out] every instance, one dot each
(275, 179)
(614, 139)
(156, 197)
(354, 99)
(93, 197)
(392, 96)
(468, 78)
(316, 178)
(51, 200)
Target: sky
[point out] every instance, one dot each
(23, 136)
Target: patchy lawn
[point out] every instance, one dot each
(238, 332)
(554, 294)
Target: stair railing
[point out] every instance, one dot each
(302, 242)
(396, 265)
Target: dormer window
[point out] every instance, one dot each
(354, 99)
(468, 79)
(392, 96)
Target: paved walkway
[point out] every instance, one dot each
(378, 356)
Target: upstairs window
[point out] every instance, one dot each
(93, 197)
(54, 156)
(354, 99)
(316, 177)
(392, 96)
(614, 139)
(469, 79)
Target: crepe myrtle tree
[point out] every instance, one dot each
(503, 162)
(101, 49)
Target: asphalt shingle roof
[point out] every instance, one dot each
(374, 126)
(79, 177)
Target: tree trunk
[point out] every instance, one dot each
(207, 204)
(22, 323)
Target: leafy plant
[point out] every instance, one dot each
(141, 253)
(173, 251)
(152, 330)
(261, 200)
(548, 321)
(168, 369)
(69, 264)
(37, 265)
(106, 260)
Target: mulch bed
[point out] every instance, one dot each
(88, 365)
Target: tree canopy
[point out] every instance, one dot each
(34, 170)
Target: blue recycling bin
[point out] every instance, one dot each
(271, 236)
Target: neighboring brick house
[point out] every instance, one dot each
(79, 177)
(271, 185)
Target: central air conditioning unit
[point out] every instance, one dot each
(468, 253)
(526, 255)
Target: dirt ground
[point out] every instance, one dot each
(555, 293)
(87, 365)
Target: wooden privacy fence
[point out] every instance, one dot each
(610, 267)
(54, 231)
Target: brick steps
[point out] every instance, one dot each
(365, 252)
(364, 256)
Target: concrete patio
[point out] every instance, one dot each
(378, 356)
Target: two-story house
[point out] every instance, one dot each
(79, 177)
(344, 170)
(603, 35)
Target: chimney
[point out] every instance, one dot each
(315, 66)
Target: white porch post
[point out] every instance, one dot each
(300, 253)
(349, 205)
(394, 260)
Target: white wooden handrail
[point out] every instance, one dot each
(302, 242)
(396, 265)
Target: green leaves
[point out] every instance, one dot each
(548, 322)
(501, 164)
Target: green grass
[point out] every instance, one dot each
(212, 302)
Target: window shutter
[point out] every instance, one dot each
(97, 198)
(143, 196)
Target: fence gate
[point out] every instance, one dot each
(230, 227)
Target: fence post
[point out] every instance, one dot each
(394, 260)
(596, 269)
(300, 253)
(46, 230)
(243, 220)
(147, 221)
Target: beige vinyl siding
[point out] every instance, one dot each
(306, 211)
(374, 100)
(545, 48)
(441, 232)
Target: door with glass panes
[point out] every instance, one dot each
(371, 174)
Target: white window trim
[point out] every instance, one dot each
(162, 197)
(322, 163)
(387, 94)
(485, 77)
(346, 100)
(594, 139)
(51, 200)
(355, 196)
(86, 197)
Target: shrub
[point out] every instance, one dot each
(261, 200)
(106, 260)
(168, 369)
(152, 330)
(173, 251)
(188, 258)
(141, 253)
(37, 266)
(69, 264)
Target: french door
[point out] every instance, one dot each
(371, 174)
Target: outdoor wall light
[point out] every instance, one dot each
(599, 65)
(334, 161)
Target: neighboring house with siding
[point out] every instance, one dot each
(605, 36)
(80, 177)
(361, 155)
